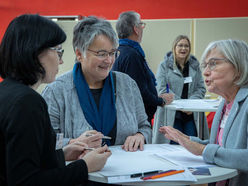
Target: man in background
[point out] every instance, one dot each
(132, 61)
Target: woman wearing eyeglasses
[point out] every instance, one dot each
(179, 74)
(225, 69)
(90, 101)
(30, 53)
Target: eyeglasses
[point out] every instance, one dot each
(212, 63)
(143, 25)
(183, 46)
(103, 54)
(60, 52)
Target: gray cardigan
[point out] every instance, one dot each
(234, 152)
(169, 73)
(67, 116)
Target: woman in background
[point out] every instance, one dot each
(180, 72)
(225, 67)
(30, 53)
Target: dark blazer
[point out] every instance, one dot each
(131, 62)
(27, 141)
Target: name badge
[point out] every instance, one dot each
(187, 79)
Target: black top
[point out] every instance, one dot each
(27, 142)
(185, 72)
(131, 62)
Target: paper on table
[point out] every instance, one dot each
(185, 176)
(184, 158)
(195, 103)
(126, 163)
(121, 164)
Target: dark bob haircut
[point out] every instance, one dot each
(25, 38)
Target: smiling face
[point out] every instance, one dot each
(96, 68)
(50, 61)
(182, 50)
(220, 80)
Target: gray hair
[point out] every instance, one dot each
(87, 29)
(126, 22)
(236, 52)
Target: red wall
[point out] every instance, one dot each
(110, 9)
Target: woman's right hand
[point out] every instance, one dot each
(184, 140)
(168, 97)
(96, 159)
(91, 137)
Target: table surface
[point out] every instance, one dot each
(217, 173)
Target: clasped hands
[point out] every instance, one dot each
(184, 140)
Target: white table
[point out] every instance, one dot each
(217, 173)
(195, 105)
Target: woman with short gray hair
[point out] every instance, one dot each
(90, 102)
(224, 65)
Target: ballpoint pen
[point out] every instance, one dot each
(160, 172)
(89, 148)
(160, 175)
(142, 174)
(167, 88)
(104, 137)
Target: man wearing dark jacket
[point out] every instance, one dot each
(132, 61)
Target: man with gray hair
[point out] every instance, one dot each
(132, 61)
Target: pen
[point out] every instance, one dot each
(104, 137)
(145, 174)
(163, 174)
(167, 88)
(160, 172)
(89, 148)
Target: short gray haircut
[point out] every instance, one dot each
(126, 22)
(236, 52)
(86, 30)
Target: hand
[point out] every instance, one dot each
(187, 112)
(96, 159)
(172, 133)
(133, 143)
(168, 97)
(93, 141)
(74, 150)
(182, 139)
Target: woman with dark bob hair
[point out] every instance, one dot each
(30, 53)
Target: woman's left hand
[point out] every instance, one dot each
(133, 143)
(75, 150)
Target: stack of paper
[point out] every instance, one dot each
(121, 165)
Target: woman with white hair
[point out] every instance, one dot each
(225, 67)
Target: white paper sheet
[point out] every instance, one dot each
(195, 104)
(120, 165)
(182, 157)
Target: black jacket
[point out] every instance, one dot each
(131, 62)
(27, 141)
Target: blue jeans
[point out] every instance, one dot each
(187, 127)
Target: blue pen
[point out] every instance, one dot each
(167, 88)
